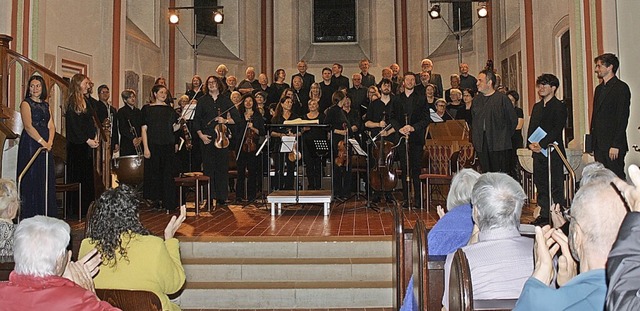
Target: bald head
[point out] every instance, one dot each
(597, 213)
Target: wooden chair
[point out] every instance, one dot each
(420, 273)
(399, 258)
(6, 266)
(130, 300)
(460, 288)
(63, 186)
(442, 159)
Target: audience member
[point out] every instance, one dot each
(132, 257)
(44, 278)
(623, 262)
(502, 260)
(453, 230)
(596, 215)
(9, 205)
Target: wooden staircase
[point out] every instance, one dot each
(287, 273)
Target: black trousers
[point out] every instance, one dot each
(493, 161)
(616, 166)
(159, 171)
(80, 169)
(247, 162)
(190, 160)
(341, 180)
(215, 164)
(282, 163)
(541, 180)
(415, 161)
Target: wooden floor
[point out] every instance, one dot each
(351, 218)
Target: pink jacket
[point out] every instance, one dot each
(24, 292)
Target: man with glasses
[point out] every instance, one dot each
(595, 216)
(548, 116)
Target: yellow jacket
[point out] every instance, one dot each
(153, 265)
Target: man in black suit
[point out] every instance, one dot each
(610, 116)
(494, 122)
(307, 78)
(104, 110)
(338, 79)
(549, 114)
(411, 118)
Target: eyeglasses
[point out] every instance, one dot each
(621, 196)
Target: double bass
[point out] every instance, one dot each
(383, 176)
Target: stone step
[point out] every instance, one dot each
(281, 295)
(288, 269)
(287, 247)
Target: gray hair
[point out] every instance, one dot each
(596, 173)
(599, 212)
(461, 187)
(9, 200)
(497, 200)
(40, 244)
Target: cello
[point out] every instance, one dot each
(383, 176)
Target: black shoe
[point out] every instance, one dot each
(390, 200)
(221, 202)
(540, 221)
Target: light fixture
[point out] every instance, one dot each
(173, 18)
(482, 11)
(218, 16)
(434, 12)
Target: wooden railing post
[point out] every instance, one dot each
(4, 70)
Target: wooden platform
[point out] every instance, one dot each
(302, 197)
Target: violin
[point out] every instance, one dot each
(249, 144)
(343, 156)
(222, 134)
(294, 154)
(187, 134)
(383, 176)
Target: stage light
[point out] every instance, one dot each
(174, 18)
(434, 12)
(218, 17)
(482, 11)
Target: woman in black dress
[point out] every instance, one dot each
(278, 86)
(81, 139)
(38, 131)
(311, 156)
(159, 123)
(283, 113)
(252, 124)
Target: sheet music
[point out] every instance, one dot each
(188, 111)
(287, 143)
(356, 147)
(434, 116)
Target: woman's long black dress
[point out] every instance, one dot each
(32, 188)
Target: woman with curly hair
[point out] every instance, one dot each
(133, 258)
